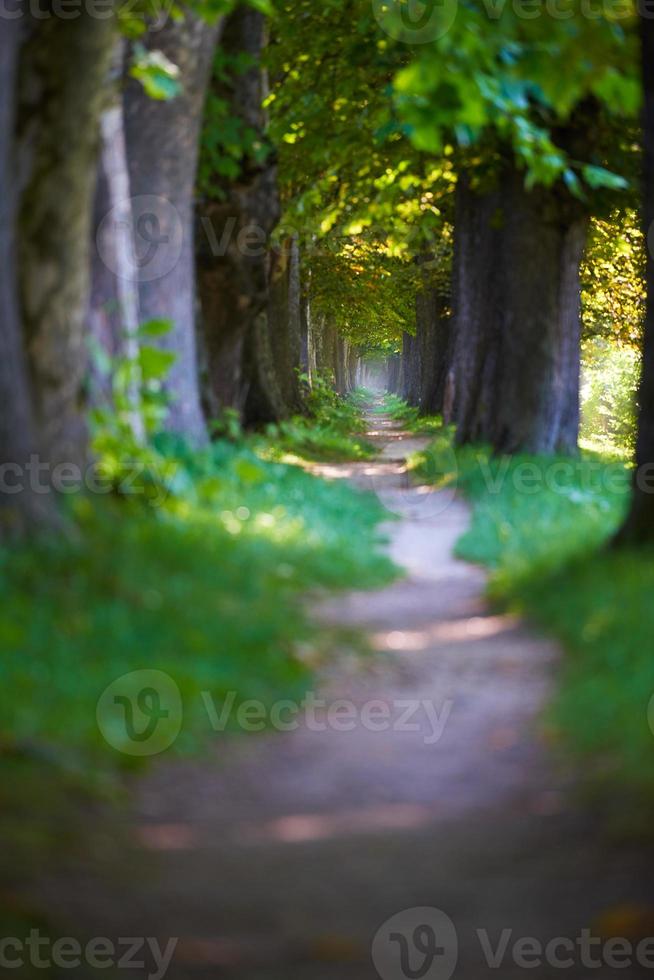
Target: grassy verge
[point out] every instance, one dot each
(541, 525)
(204, 582)
(199, 570)
(397, 409)
(332, 430)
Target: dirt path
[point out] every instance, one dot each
(280, 858)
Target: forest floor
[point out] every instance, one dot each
(280, 855)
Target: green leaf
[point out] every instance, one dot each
(156, 73)
(155, 328)
(600, 177)
(155, 363)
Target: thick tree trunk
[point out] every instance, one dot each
(162, 147)
(325, 338)
(433, 342)
(114, 310)
(232, 231)
(475, 302)
(352, 369)
(64, 65)
(21, 509)
(285, 322)
(639, 525)
(515, 359)
(411, 368)
(342, 375)
(265, 400)
(393, 367)
(315, 326)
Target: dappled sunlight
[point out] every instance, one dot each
(335, 471)
(167, 837)
(445, 631)
(300, 828)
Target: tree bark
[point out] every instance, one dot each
(411, 368)
(341, 374)
(517, 317)
(233, 229)
(352, 368)
(64, 65)
(393, 373)
(285, 321)
(21, 509)
(638, 528)
(162, 149)
(325, 339)
(265, 400)
(433, 341)
(114, 315)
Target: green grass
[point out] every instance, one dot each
(543, 526)
(399, 410)
(204, 575)
(332, 430)
(207, 587)
(313, 441)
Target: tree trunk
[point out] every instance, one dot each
(315, 326)
(63, 72)
(433, 341)
(325, 345)
(162, 148)
(638, 528)
(114, 310)
(515, 360)
(341, 374)
(285, 322)
(233, 230)
(265, 400)
(352, 369)
(411, 367)
(393, 373)
(21, 508)
(304, 332)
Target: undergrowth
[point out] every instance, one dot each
(202, 580)
(408, 415)
(332, 430)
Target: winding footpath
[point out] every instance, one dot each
(419, 778)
